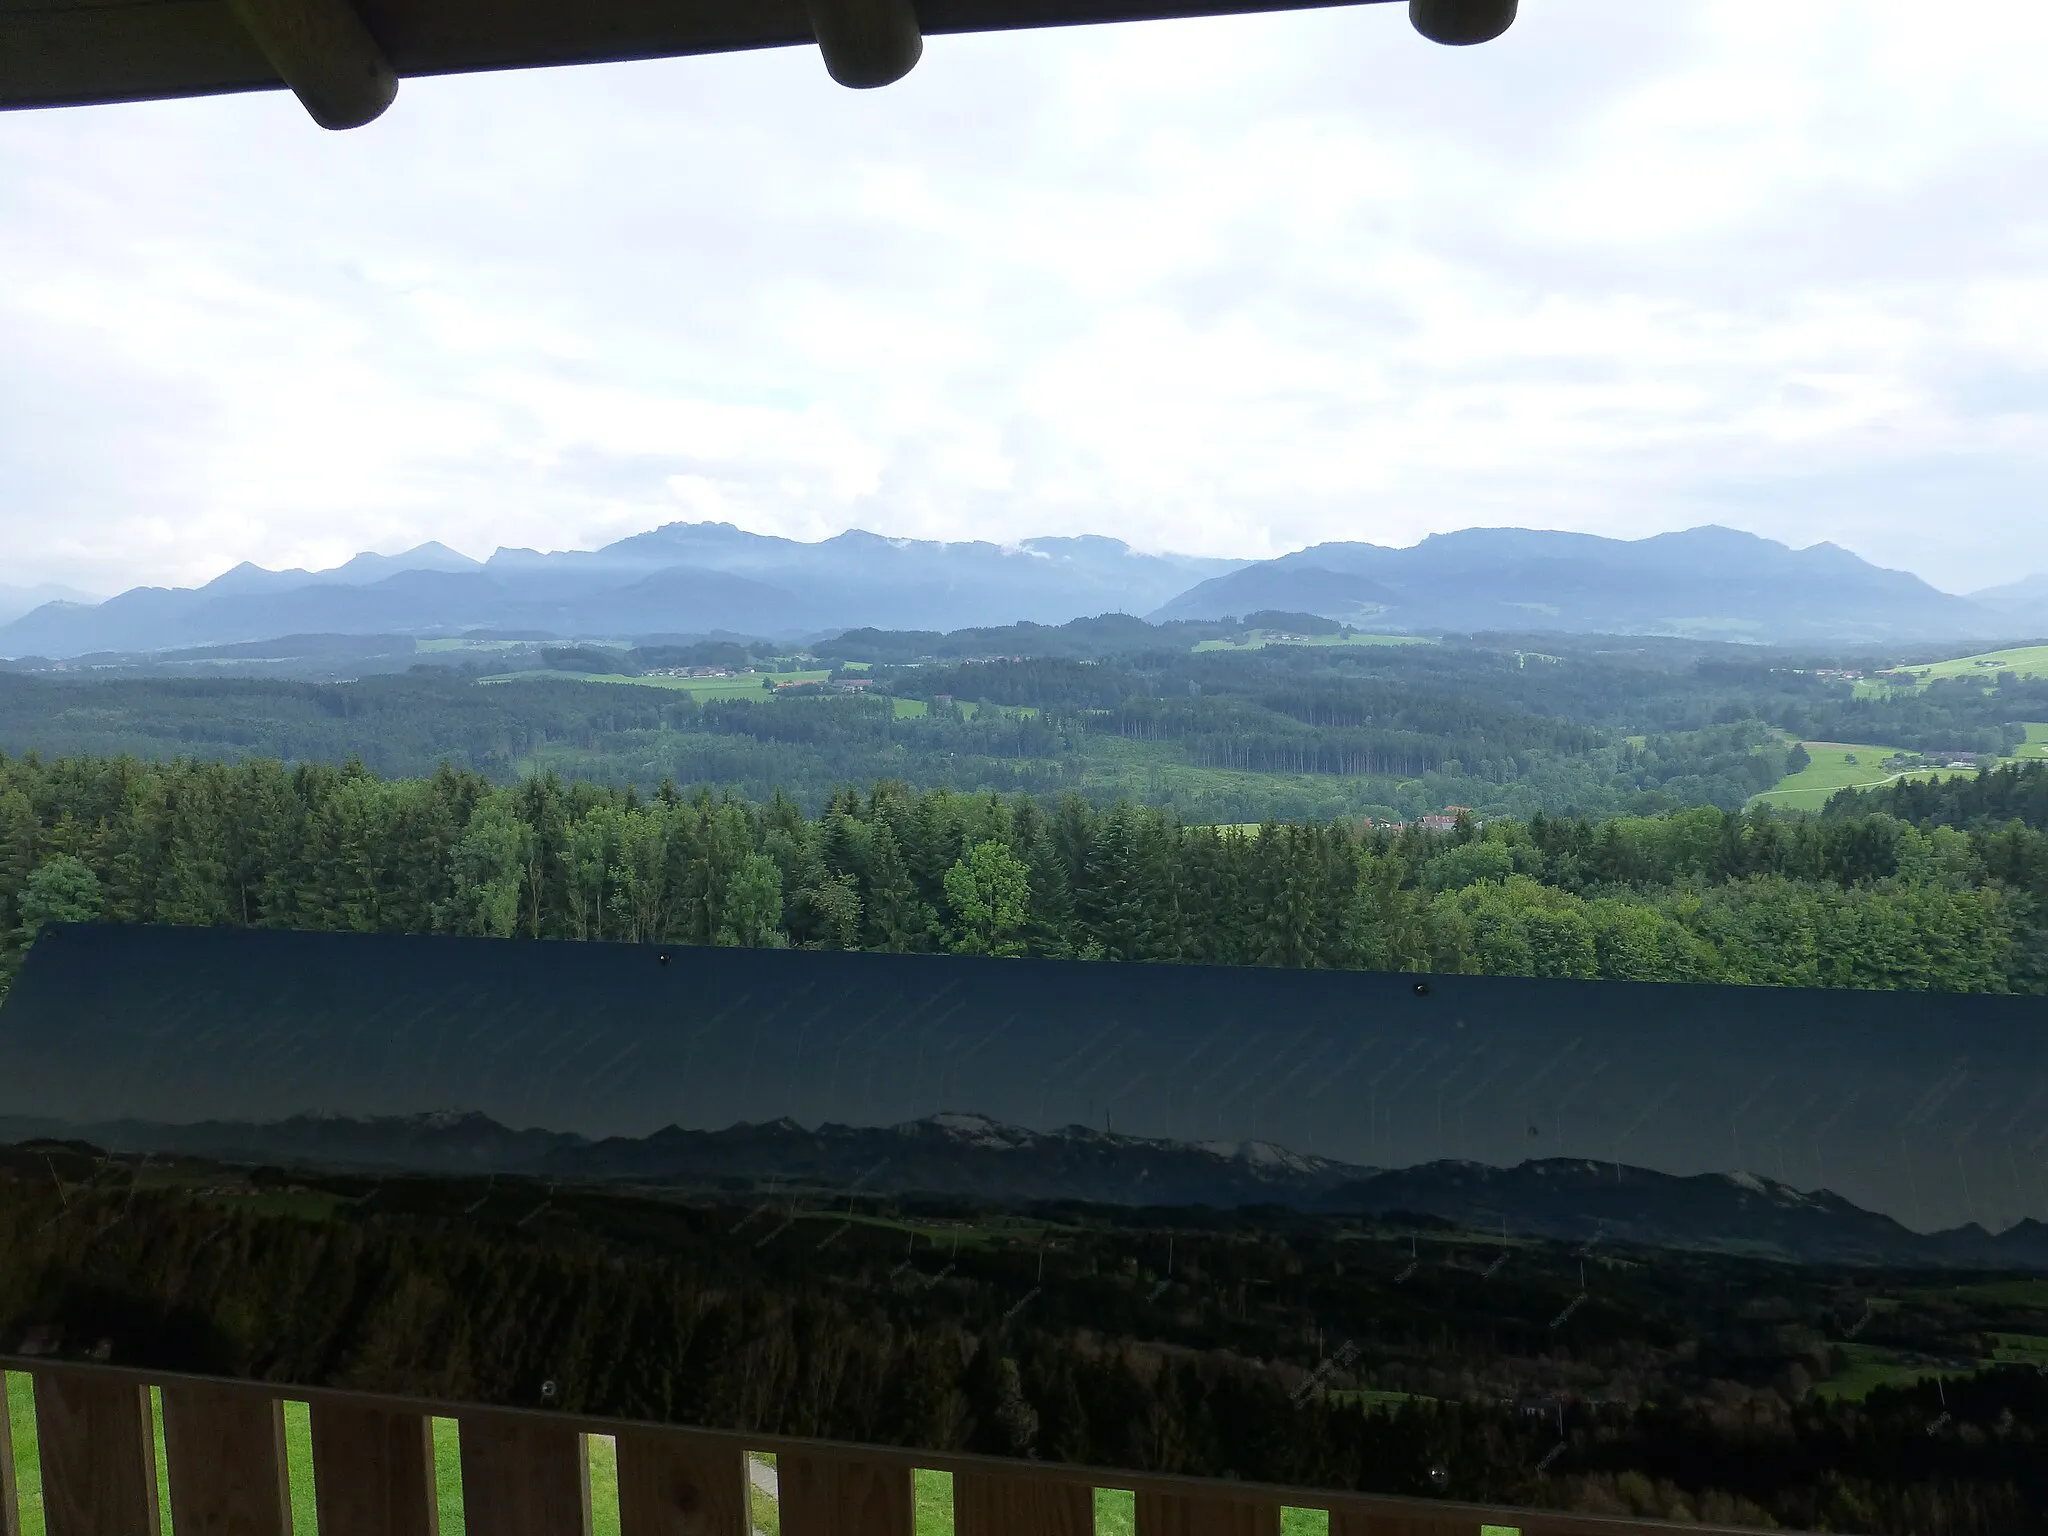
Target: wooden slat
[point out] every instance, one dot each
(98, 1453)
(677, 1485)
(10, 1496)
(1353, 1522)
(523, 1477)
(989, 1505)
(227, 1462)
(1218, 1514)
(843, 1496)
(373, 1472)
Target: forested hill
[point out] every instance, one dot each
(1845, 900)
(1320, 727)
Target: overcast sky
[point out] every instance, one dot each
(1228, 286)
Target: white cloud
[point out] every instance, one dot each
(1228, 286)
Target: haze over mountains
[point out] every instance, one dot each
(693, 579)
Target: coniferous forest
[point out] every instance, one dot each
(1924, 886)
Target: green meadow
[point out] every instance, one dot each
(747, 685)
(1259, 639)
(1836, 765)
(2021, 660)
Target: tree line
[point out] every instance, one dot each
(1851, 899)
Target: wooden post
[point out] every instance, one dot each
(674, 1484)
(98, 1451)
(1358, 1522)
(1206, 1514)
(227, 1463)
(838, 1496)
(373, 1472)
(523, 1477)
(992, 1504)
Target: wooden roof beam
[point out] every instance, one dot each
(1461, 23)
(866, 43)
(322, 50)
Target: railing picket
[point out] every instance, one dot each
(1217, 1514)
(1359, 1522)
(227, 1462)
(523, 1477)
(373, 1472)
(840, 1496)
(988, 1504)
(675, 1485)
(98, 1452)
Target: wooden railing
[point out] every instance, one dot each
(527, 1473)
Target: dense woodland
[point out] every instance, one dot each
(1311, 1351)
(1950, 899)
(1110, 710)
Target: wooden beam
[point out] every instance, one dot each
(867, 43)
(373, 1472)
(227, 1462)
(322, 50)
(74, 52)
(98, 1451)
(1461, 23)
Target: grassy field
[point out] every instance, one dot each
(1115, 1509)
(1871, 1366)
(748, 685)
(1836, 765)
(445, 645)
(2024, 660)
(1259, 639)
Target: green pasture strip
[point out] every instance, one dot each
(298, 1457)
(28, 1466)
(2021, 660)
(1258, 640)
(765, 1508)
(163, 1461)
(1831, 770)
(933, 1501)
(748, 685)
(1872, 1366)
(604, 1485)
(448, 1476)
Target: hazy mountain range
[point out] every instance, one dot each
(972, 1156)
(706, 578)
(15, 601)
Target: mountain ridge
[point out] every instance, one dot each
(962, 1154)
(1703, 582)
(705, 578)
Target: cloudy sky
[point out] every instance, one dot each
(1227, 286)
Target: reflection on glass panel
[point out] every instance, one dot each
(1517, 1243)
